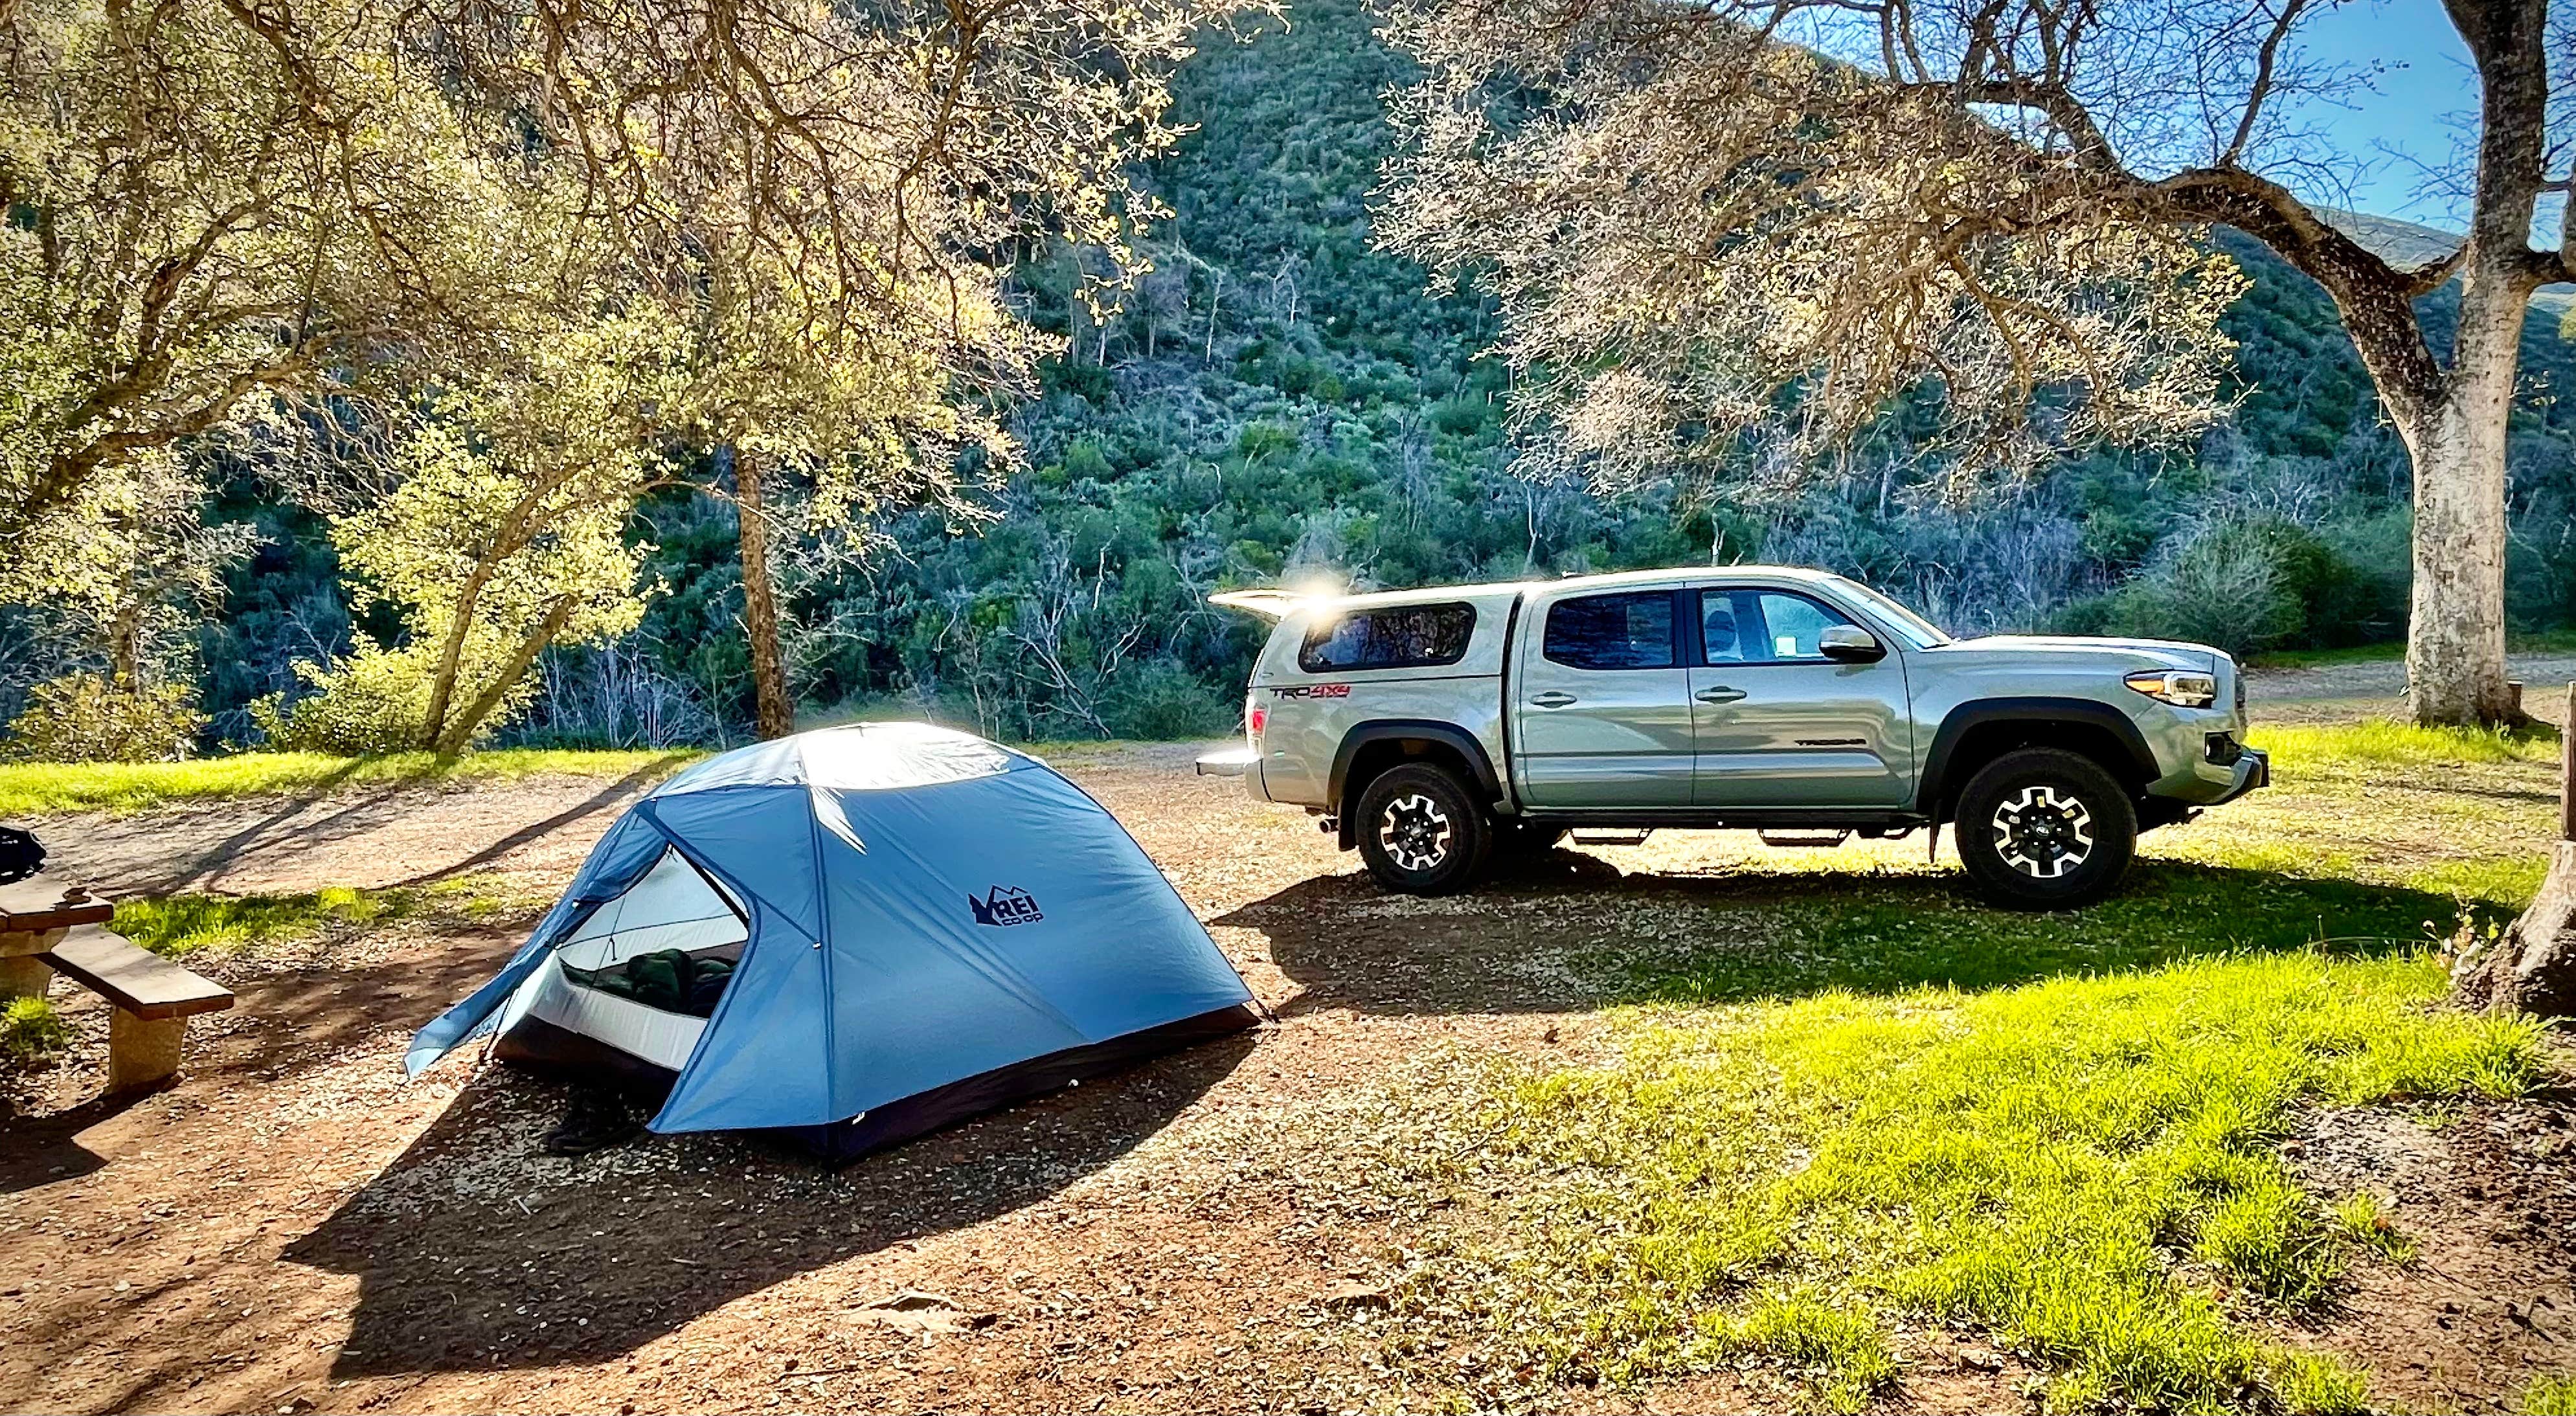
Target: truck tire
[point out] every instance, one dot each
(2045, 829)
(1422, 832)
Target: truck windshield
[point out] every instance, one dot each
(1914, 629)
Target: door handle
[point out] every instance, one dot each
(1551, 699)
(1719, 694)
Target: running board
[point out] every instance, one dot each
(1633, 837)
(1793, 840)
(1865, 821)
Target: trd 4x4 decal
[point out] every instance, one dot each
(1314, 690)
(1005, 904)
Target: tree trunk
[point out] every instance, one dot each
(2455, 669)
(507, 540)
(454, 738)
(2531, 968)
(451, 655)
(774, 712)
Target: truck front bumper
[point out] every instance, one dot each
(2207, 783)
(2253, 769)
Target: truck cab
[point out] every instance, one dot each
(1432, 728)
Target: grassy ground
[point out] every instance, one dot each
(2554, 641)
(1889, 1111)
(2081, 1168)
(1848, 1111)
(2551, 1396)
(29, 1028)
(178, 925)
(124, 788)
(47, 788)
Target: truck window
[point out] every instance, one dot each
(1723, 629)
(1397, 637)
(1630, 631)
(1790, 627)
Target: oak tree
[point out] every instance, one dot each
(827, 199)
(1748, 228)
(210, 206)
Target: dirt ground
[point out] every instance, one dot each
(2332, 691)
(293, 1227)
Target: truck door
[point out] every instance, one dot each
(1780, 725)
(1603, 705)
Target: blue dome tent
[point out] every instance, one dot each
(860, 933)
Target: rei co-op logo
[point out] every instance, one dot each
(1005, 904)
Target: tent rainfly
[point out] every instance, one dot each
(859, 934)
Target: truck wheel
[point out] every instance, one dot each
(2043, 829)
(1422, 832)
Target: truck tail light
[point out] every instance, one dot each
(1255, 717)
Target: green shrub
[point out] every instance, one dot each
(1463, 417)
(30, 1028)
(1264, 439)
(1083, 381)
(88, 718)
(2221, 589)
(2244, 586)
(1084, 462)
(1163, 702)
(373, 701)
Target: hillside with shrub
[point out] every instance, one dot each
(1278, 400)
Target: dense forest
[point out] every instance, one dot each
(1279, 399)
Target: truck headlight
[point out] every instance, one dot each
(2183, 688)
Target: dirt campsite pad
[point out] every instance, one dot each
(293, 1227)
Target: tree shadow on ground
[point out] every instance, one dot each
(614, 794)
(43, 1149)
(1569, 931)
(284, 1020)
(474, 1251)
(143, 855)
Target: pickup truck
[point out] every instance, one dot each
(1433, 729)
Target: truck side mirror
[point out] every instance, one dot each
(1850, 644)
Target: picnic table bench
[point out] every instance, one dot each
(47, 929)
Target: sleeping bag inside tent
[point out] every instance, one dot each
(862, 934)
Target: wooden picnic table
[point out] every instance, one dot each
(35, 914)
(47, 927)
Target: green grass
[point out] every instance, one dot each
(178, 925)
(125, 788)
(2363, 1218)
(2326, 658)
(47, 788)
(2383, 742)
(2082, 1167)
(2550, 1396)
(1819, 932)
(2551, 641)
(30, 1028)
(1842, 1110)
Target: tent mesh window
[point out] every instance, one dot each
(646, 970)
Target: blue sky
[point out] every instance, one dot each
(2422, 78)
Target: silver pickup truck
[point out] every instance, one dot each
(1434, 728)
